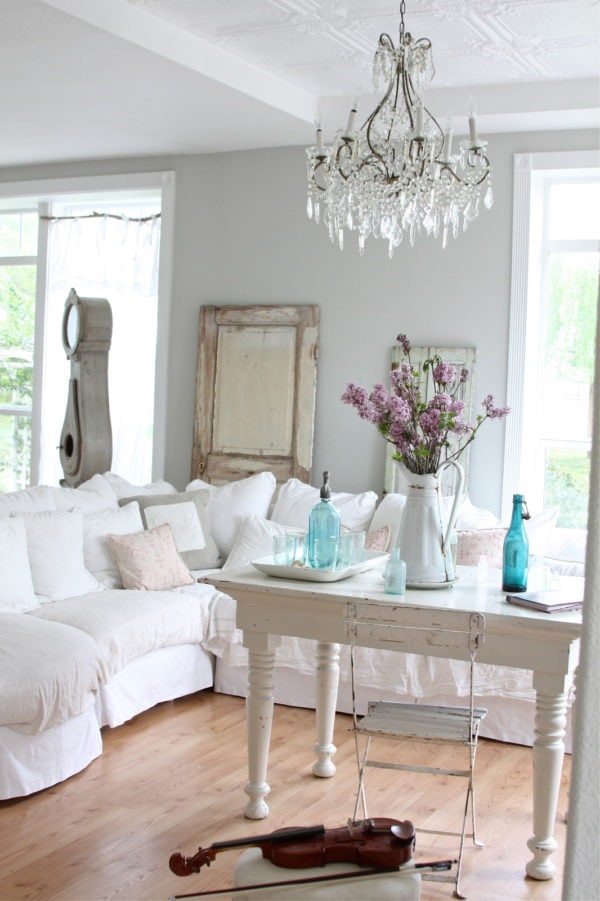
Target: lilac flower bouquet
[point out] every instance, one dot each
(425, 433)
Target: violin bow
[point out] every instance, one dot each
(429, 867)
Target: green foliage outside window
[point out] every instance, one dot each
(569, 355)
(17, 320)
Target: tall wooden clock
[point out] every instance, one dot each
(86, 437)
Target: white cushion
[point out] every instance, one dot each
(96, 552)
(149, 560)
(123, 488)
(55, 549)
(254, 540)
(296, 499)
(92, 496)
(540, 529)
(16, 586)
(388, 513)
(187, 514)
(230, 503)
(472, 544)
(568, 545)
(472, 517)
(28, 500)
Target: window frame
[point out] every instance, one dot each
(532, 173)
(41, 193)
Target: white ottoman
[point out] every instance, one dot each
(252, 869)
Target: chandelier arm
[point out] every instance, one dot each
(407, 91)
(369, 124)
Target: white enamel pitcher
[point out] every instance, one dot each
(425, 529)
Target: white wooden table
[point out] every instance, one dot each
(268, 608)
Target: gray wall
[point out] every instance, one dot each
(242, 236)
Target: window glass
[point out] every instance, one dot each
(574, 211)
(17, 317)
(18, 233)
(568, 368)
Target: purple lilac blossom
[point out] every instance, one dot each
(444, 373)
(419, 431)
(492, 411)
(403, 340)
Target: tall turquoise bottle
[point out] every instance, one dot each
(515, 558)
(323, 530)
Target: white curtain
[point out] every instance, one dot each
(114, 257)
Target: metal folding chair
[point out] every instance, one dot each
(454, 634)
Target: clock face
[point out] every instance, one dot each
(71, 328)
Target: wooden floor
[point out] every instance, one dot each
(172, 779)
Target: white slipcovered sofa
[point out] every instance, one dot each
(102, 616)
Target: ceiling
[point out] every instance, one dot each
(86, 79)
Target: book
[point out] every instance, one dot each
(552, 600)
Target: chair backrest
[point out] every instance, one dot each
(406, 628)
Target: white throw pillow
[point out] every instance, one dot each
(568, 545)
(96, 552)
(230, 503)
(475, 543)
(55, 549)
(471, 517)
(296, 499)
(16, 587)
(149, 560)
(92, 496)
(123, 488)
(187, 514)
(540, 529)
(28, 500)
(388, 513)
(254, 540)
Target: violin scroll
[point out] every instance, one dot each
(185, 866)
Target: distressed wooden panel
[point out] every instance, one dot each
(255, 391)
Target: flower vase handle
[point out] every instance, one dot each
(457, 499)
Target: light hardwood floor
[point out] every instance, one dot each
(172, 779)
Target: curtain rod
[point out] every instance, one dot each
(95, 215)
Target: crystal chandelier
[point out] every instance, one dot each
(397, 174)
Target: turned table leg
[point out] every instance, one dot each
(327, 679)
(259, 720)
(548, 752)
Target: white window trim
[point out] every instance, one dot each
(46, 190)
(524, 300)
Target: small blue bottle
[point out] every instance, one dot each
(395, 574)
(515, 557)
(323, 530)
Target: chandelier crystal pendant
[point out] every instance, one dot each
(397, 174)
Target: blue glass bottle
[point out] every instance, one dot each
(515, 558)
(395, 574)
(323, 530)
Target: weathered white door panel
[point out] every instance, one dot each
(255, 391)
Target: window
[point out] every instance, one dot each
(106, 237)
(18, 269)
(556, 258)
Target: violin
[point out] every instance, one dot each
(379, 842)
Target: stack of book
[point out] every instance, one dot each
(551, 600)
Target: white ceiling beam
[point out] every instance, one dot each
(133, 24)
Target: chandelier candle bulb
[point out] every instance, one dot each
(320, 149)
(472, 123)
(351, 120)
(419, 122)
